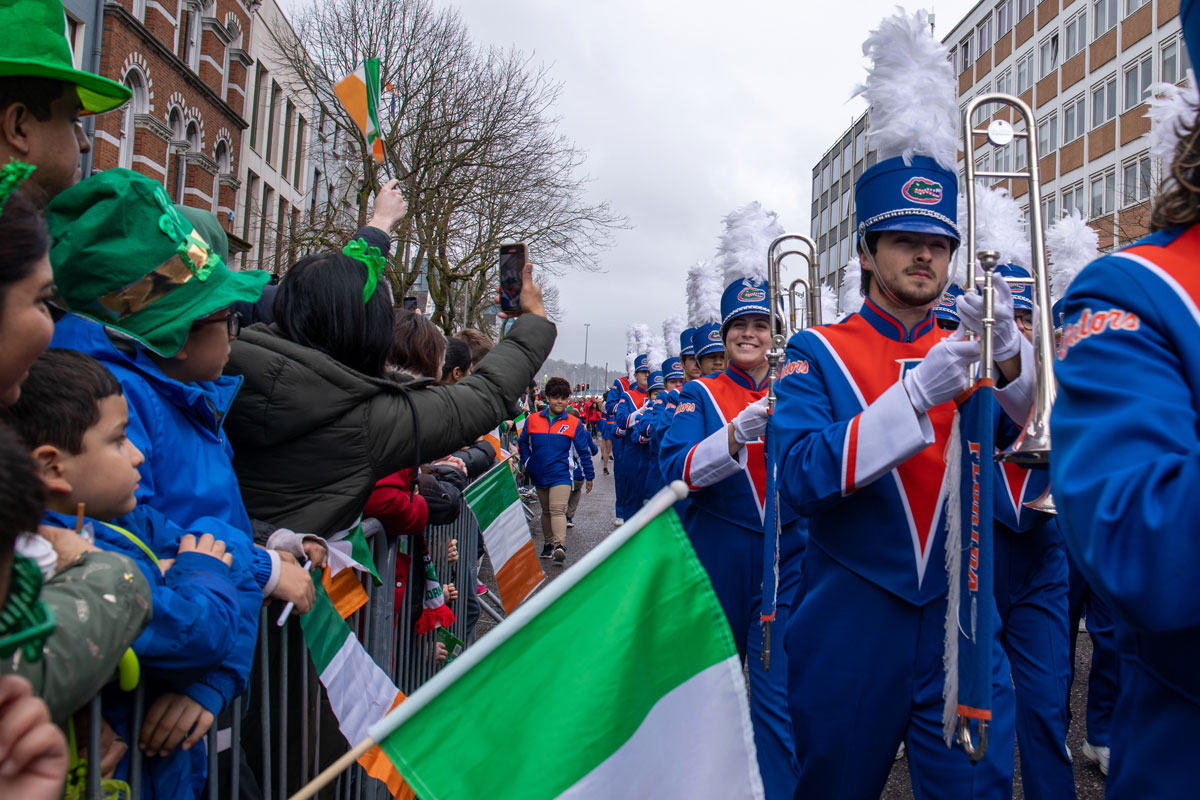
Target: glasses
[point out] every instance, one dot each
(232, 320)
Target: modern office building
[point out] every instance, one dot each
(1085, 67)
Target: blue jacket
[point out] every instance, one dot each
(188, 477)
(546, 446)
(856, 458)
(195, 606)
(577, 463)
(1126, 432)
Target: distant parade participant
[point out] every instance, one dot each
(687, 355)
(626, 396)
(630, 412)
(705, 283)
(1125, 468)
(864, 416)
(715, 445)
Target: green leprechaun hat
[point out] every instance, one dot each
(125, 257)
(35, 45)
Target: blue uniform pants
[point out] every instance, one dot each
(866, 675)
(636, 463)
(619, 475)
(1103, 676)
(732, 556)
(1031, 596)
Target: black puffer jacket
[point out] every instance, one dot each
(312, 436)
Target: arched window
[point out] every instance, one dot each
(222, 158)
(140, 104)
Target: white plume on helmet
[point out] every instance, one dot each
(672, 329)
(742, 248)
(630, 349)
(850, 292)
(1172, 111)
(1073, 244)
(656, 349)
(704, 287)
(998, 226)
(912, 91)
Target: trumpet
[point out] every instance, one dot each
(1033, 445)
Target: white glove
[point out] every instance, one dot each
(1006, 335)
(942, 376)
(751, 423)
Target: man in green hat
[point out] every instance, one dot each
(42, 95)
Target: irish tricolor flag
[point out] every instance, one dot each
(494, 501)
(647, 697)
(359, 93)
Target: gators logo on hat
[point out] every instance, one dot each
(752, 294)
(714, 335)
(923, 190)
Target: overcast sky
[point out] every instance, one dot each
(687, 109)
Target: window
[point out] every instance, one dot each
(1049, 210)
(1074, 120)
(859, 145)
(255, 128)
(248, 212)
(139, 105)
(1003, 18)
(1072, 199)
(846, 203)
(1104, 102)
(271, 137)
(1024, 9)
(1075, 34)
(75, 39)
(1104, 193)
(1004, 158)
(814, 230)
(825, 175)
(848, 155)
(1047, 135)
(1136, 180)
(279, 234)
(288, 120)
(264, 221)
(1048, 55)
(1104, 17)
(816, 190)
(825, 218)
(1171, 73)
(1004, 82)
(1020, 155)
(1138, 76)
(1024, 73)
(1133, 5)
(983, 35)
(964, 53)
(835, 210)
(189, 37)
(837, 163)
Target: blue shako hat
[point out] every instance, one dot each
(707, 339)
(1189, 17)
(1022, 294)
(921, 197)
(655, 382)
(947, 307)
(685, 342)
(1056, 312)
(672, 369)
(641, 363)
(741, 297)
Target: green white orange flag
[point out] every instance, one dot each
(359, 93)
(497, 506)
(649, 695)
(360, 693)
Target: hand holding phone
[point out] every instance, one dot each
(512, 272)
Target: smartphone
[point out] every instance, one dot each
(410, 303)
(512, 276)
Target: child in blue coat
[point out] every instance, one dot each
(72, 416)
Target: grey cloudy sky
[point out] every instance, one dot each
(687, 109)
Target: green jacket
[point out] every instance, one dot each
(311, 437)
(101, 603)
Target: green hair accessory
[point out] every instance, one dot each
(25, 621)
(374, 260)
(11, 176)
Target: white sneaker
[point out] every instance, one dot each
(1096, 755)
(618, 522)
(899, 752)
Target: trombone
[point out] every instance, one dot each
(1032, 447)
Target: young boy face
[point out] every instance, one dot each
(558, 404)
(104, 473)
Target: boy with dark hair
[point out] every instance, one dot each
(480, 344)
(72, 417)
(545, 444)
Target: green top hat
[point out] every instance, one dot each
(125, 257)
(35, 45)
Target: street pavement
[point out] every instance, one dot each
(593, 522)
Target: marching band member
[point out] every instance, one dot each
(705, 284)
(865, 411)
(1126, 461)
(630, 479)
(714, 443)
(622, 388)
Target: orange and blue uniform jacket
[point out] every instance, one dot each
(546, 443)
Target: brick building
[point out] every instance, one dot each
(1085, 68)
(187, 65)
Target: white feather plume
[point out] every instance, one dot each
(1073, 244)
(998, 226)
(742, 250)
(630, 349)
(656, 349)
(829, 304)
(911, 89)
(850, 291)
(672, 329)
(1172, 112)
(704, 286)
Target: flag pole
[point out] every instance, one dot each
(658, 504)
(333, 770)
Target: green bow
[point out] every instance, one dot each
(11, 176)
(374, 260)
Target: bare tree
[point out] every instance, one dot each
(470, 134)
